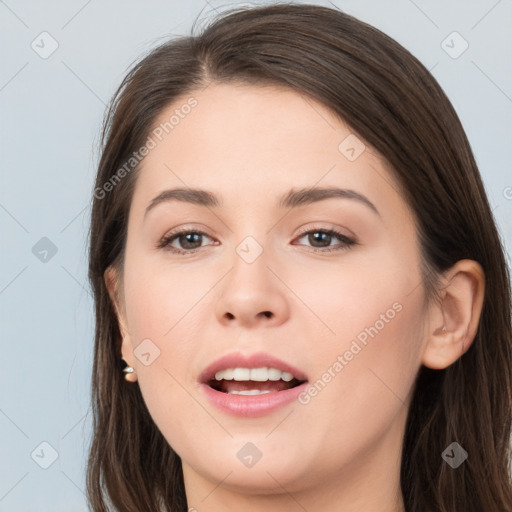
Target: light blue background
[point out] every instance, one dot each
(51, 110)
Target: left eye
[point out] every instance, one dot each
(327, 235)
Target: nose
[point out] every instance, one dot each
(252, 294)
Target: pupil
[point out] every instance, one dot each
(317, 236)
(187, 238)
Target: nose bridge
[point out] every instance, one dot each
(251, 291)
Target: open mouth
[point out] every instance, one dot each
(253, 381)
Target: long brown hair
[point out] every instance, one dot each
(391, 101)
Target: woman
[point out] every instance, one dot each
(296, 268)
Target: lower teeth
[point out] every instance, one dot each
(249, 392)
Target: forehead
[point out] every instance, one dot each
(237, 120)
(253, 143)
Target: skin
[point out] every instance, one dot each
(341, 451)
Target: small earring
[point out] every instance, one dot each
(128, 370)
(444, 329)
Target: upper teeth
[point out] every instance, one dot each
(256, 374)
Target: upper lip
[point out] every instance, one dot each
(255, 360)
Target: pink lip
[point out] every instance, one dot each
(250, 405)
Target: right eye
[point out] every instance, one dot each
(189, 240)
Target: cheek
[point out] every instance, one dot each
(161, 297)
(364, 378)
(364, 372)
(367, 296)
(160, 307)
(361, 390)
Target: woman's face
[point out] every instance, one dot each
(265, 278)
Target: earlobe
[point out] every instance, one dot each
(130, 374)
(112, 284)
(454, 322)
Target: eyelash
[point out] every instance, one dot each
(346, 242)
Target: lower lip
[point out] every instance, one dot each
(252, 406)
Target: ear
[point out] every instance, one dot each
(458, 310)
(113, 284)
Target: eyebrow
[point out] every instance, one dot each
(293, 199)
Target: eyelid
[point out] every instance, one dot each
(326, 226)
(186, 229)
